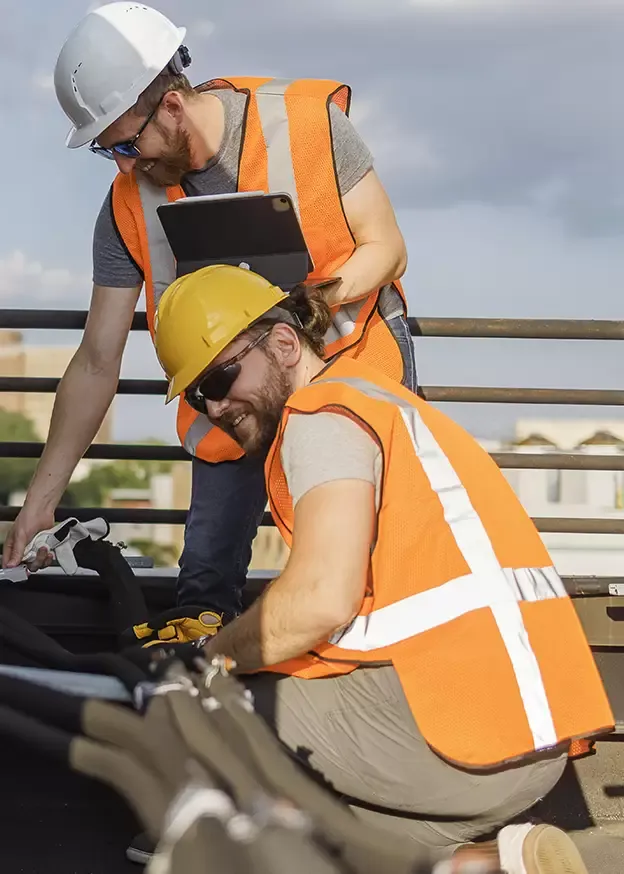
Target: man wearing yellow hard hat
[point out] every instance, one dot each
(416, 649)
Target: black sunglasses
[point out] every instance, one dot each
(215, 383)
(128, 148)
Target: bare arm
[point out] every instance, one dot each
(322, 586)
(82, 400)
(380, 255)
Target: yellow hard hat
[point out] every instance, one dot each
(201, 312)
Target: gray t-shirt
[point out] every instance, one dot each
(325, 447)
(112, 263)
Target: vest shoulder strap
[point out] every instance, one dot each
(124, 196)
(323, 89)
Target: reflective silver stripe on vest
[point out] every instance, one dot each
(487, 584)
(162, 262)
(196, 433)
(271, 101)
(273, 115)
(163, 267)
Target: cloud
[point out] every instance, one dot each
(26, 282)
(43, 81)
(202, 29)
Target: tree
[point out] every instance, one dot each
(104, 478)
(16, 473)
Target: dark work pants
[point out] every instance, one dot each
(227, 503)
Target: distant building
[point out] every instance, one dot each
(572, 494)
(18, 359)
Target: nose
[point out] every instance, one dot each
(215, 409)
(125, 165)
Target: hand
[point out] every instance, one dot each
(27, 524)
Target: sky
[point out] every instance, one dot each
(497, 128)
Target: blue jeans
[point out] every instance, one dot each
(227, 503)
(400, 329)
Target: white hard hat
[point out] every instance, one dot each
(108, 60)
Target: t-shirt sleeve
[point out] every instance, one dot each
(351, 155)
(325, 447)
(113, 265)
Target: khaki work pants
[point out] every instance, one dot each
(357, 732)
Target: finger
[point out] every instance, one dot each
(12, 554)
(42, 556)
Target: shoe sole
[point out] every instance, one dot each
(548, 850)
(139, 857)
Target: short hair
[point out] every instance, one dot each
(156, 90)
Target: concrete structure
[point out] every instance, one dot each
(18, 359)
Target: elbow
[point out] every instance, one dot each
(337, 614)
(98, 363)
(400, 258)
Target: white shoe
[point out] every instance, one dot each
(538, 849)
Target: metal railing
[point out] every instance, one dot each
(554, 329)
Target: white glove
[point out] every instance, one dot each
(62, 539)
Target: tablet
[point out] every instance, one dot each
(259, 230)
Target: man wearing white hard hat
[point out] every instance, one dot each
(120, 80)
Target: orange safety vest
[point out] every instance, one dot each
(286, 146)
(462, 596)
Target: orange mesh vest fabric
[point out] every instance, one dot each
(465, 602)
(325, 227)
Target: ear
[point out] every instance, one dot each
(173, 104)
(285, 344)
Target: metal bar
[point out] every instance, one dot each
(479, 395)
(138, 516)
(525, 329)
(47, 385)
(435, 394)
(591, 585)
(107, 451)
(555, 525)
(56, 320)
(538, 329)
(551, 461)
(147, 452)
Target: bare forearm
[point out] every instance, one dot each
(82, 400)
(371, 266)
(283, 624)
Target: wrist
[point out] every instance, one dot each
(38, 502)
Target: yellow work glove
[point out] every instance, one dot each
(171, 628)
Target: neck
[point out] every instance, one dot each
(309, 366)
(206, 126)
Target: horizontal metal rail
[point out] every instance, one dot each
(434, 394)
(145, 516)
(56, 320)
(518, 329)
(591, 585)
(524, 329)
(149, 452)
(105, 451)
(552, 461)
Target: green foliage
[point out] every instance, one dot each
(16, 473)
(104, 478)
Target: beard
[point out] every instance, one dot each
(169, 169)
(257, 431)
